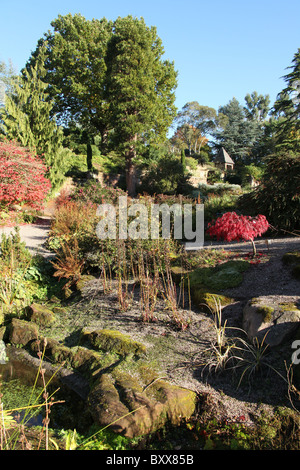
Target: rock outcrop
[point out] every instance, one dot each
(125, 392)
(275, 318)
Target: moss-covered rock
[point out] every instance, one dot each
(41, 315)
(296, 271)
(219, 278)
(113, 341)
(124, 391)
(21, 332)
(82, 283)
(132, 408)
(209, 301)
(266, 317)
(179, 274)
(266, 312)
(54, 351)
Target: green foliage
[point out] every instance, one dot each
(7, 73)
(166, 176)
(14, 262)
(139, 90)
(107, 440)
(95, 192)
(210, 432)
(287, 106)
(216, 205)
(257, 106)
(194, 123)
(78, 46)
(240, 135)
(218, 278)
(24, 278)
(277, 197)
(12, 244)
(27, 118)
(118, 86)
(192, 163)
(251, 171)
(183, 159)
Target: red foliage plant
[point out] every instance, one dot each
(22, 176)
(234, 227)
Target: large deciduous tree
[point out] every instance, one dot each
(139, 90)
(76, 71)
(195, 123)
(111, 79)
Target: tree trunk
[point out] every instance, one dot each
(130, 169)
(104, 141)
(130, 177)
(254, 247)
(89, 156)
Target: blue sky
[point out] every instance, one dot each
(221, 49)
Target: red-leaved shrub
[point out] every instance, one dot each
(22, 176)
(234, 227)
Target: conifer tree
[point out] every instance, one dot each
(27, 119)
(139, 90)
(287, 109)
(183, 161)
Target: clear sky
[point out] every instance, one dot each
(221, 48)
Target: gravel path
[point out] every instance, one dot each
(271, 278)
(34, 235)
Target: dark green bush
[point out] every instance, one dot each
(165, 176)
(278, 195)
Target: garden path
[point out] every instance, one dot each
(34, 235)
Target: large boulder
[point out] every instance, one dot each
(41, 315)
(113, 341)
(125, 393)
(22, 332)
(209, 301)
(129, 406)
(277, 318)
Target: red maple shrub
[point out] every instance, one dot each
(22, 176)
(234, 227)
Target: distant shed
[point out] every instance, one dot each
(223, 160)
